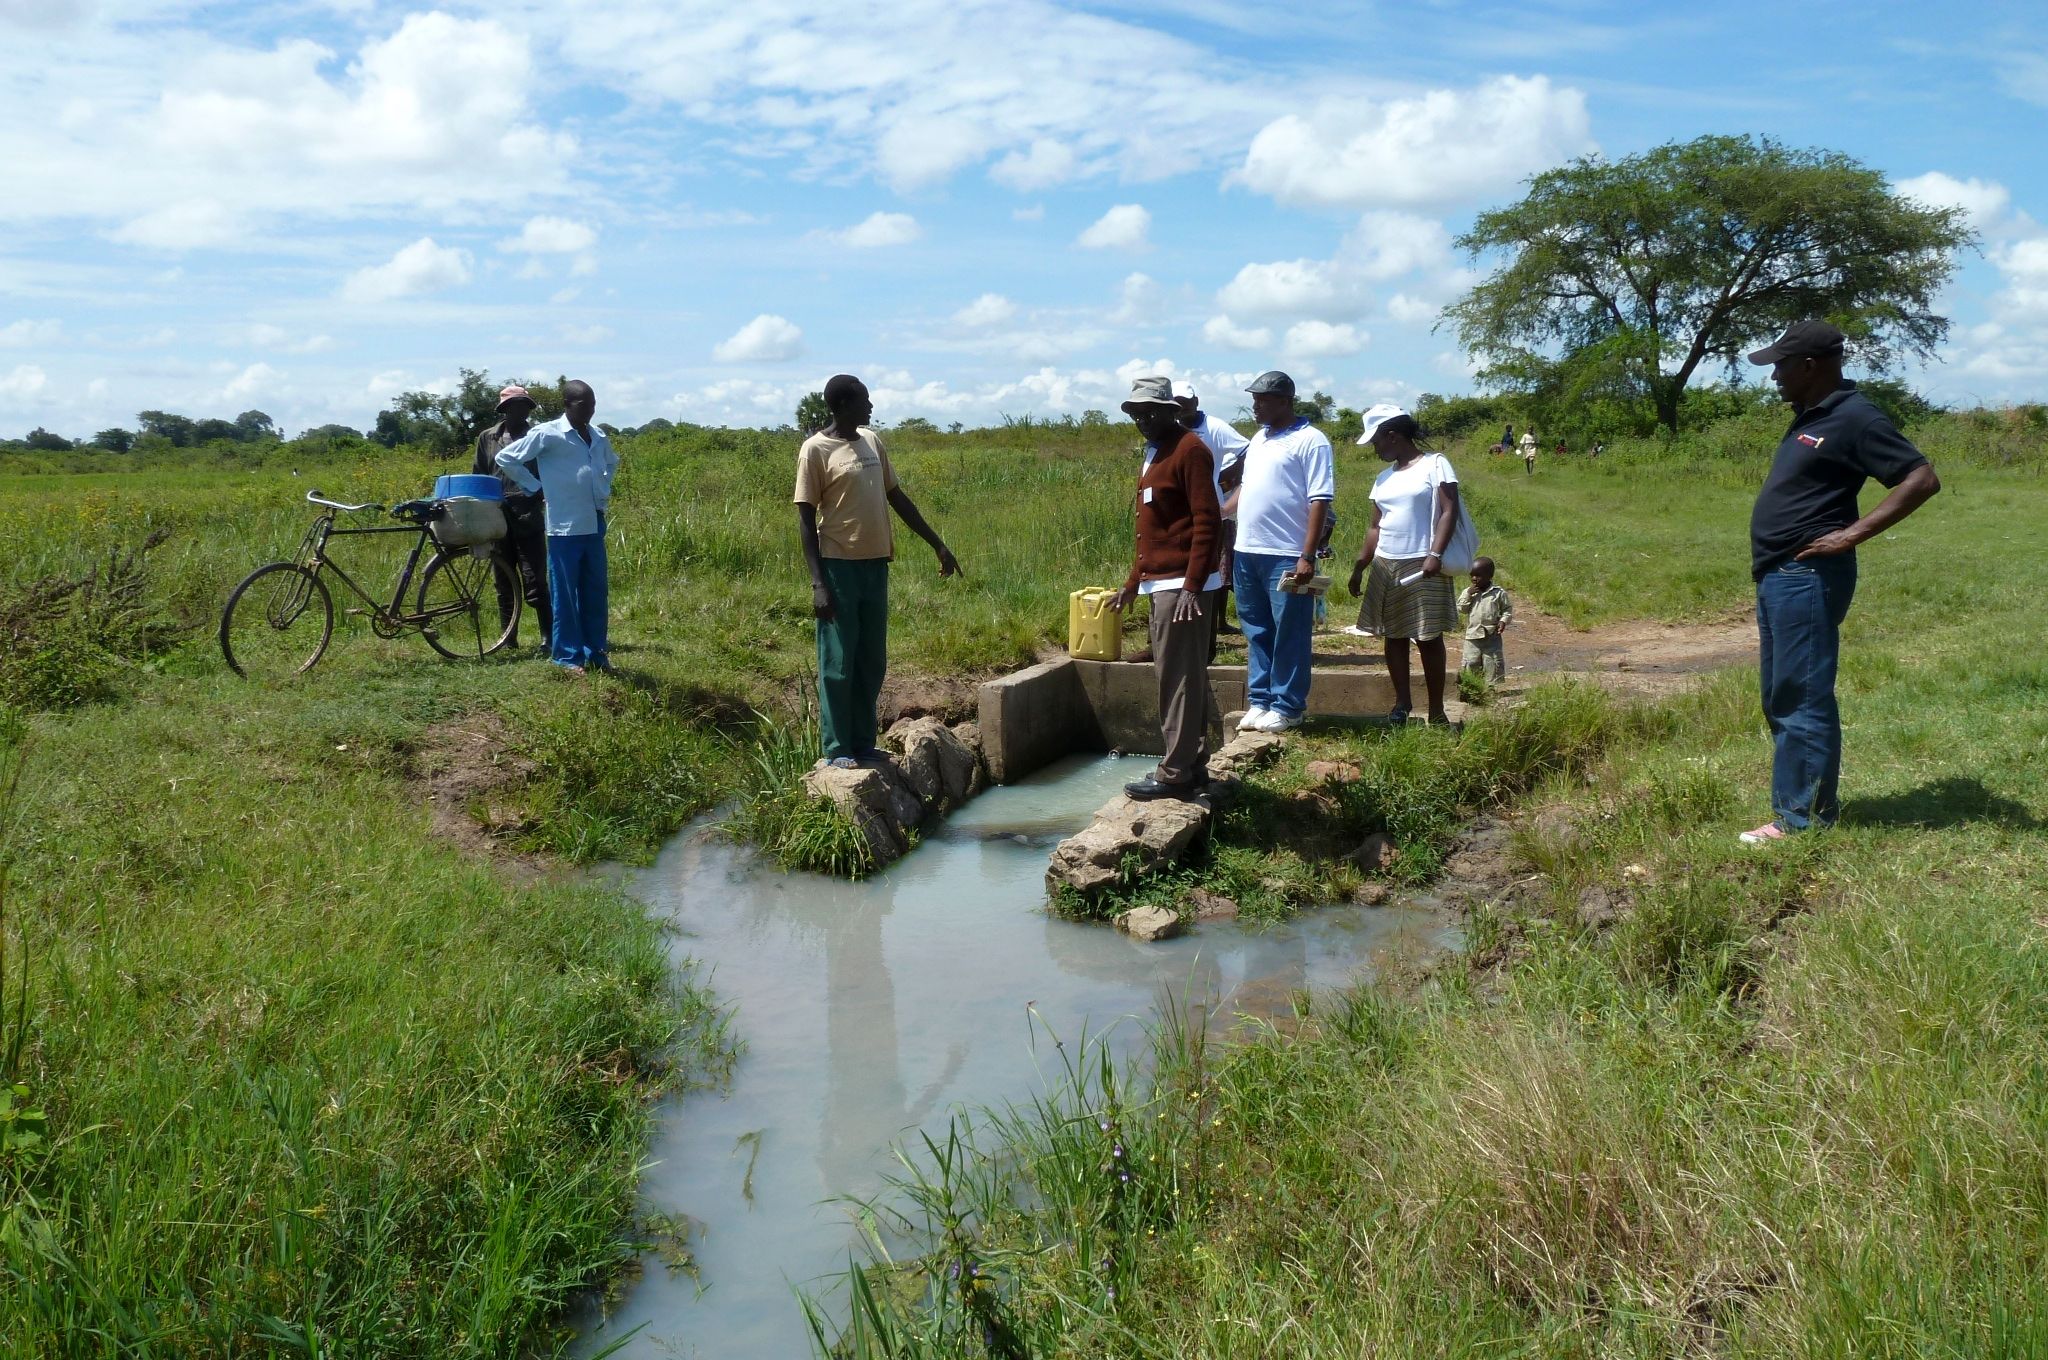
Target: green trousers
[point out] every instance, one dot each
(853, 654)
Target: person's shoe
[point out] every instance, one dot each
(1765, 834)
(1276, 721)
(1441, 720)
(1148, 788)
(1397, 716)
(1251, 720)
(843, 763)
(874, 755)
(573, 669)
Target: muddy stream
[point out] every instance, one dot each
(871, 1010)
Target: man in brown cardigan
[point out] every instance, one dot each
(1179, 546)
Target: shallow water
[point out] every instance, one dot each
(870, 1010)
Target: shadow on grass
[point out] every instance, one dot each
(1955, 801)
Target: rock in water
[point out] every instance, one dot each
(1376, 851)
(941, 769)
(870, 800)
(1150, 833)
(1148, 923)
(1210, 906)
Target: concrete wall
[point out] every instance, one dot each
(1032, 718)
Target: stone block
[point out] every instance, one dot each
(1149, 923)
(1151, 833)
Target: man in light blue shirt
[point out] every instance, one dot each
(1282, 505)
(571, 462)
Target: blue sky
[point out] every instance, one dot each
(985, 207)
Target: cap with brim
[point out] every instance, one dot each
(1185, 392)
(508, 395)
(1802, 339)
(1272, 381)
(1376, 415)
(1150, 392)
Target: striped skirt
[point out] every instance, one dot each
(1421, 610)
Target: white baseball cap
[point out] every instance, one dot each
(1376, 415)
(1184, 390)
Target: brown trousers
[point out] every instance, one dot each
(1187, 709)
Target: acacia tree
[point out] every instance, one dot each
(1637, 271)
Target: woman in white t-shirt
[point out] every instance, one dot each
(1407, 596)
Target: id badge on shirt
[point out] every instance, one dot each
(1146, 495)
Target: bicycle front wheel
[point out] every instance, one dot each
(277, 623)
(458, 604)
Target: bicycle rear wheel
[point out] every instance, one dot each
(277, 623)
(458, 604)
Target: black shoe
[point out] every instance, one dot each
(1397, 716)
(1148, 788)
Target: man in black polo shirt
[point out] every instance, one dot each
(1803, 536)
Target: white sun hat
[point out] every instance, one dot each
(1376, 415)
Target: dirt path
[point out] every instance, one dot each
(1636, 656)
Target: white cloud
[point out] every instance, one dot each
(25, 382)
(1034, 213)
(586, 335)
(1321, 340)
(765, 339)
(1410, 311)
(1983, 201)
(551, 236)
(266, 336)
(24, 334)
(1386, 245)
(250, 382)
(1039, 166)
(1441, 147)
(193, 141)
(1121, 228)
(876, 230)
(989, 309)
(1138, 299)
(1291, 288)
(422, 267)
(1221, 330)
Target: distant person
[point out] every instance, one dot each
(524, 548)
(1561, 450)
(1226, 447)
(1290, 478)
(1488, 612)
(1507, 437)
(1180, 527)
(844, 490)
(1529, 452)
(569, 462)
(1408, 597)
(1599, 447)
(1803, 534)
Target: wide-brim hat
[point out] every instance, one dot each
(1376, 415)
(1150, 392)
(508, 395)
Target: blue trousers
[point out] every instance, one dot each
(1279, 631)
(1799, 611)
(580, 597)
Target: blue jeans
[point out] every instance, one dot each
(579, 595)
(1799, 611)
(1279, 630)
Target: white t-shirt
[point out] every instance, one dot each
(1282, 474)
(1226, 448)
(1406, 498)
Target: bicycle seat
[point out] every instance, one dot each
(316, 498)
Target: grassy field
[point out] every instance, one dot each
(1788, 1104)
(311, 1079)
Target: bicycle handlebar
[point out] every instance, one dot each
(316, 498)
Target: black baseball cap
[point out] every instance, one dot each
(1801, 339)
(1274, 381)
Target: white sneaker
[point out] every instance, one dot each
(1273, 720)
(1252, 718)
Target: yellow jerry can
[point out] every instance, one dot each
(1095, 632)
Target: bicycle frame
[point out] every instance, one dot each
(393, 615)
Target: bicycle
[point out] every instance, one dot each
(279, 620)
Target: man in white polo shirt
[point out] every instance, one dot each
(1226, 448)
(1290, 478)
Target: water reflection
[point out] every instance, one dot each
(871, 1010)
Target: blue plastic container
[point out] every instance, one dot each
(468, 484)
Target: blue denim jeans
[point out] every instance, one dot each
(1799, 611)
(1279, 630)
(578, 591)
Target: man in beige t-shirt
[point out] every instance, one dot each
(845, 489)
